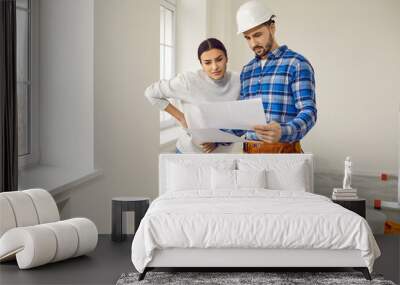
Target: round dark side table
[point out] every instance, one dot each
(122, 204)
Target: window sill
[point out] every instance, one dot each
(54, 179)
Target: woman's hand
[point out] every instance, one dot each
(177, 114)
(208, 147)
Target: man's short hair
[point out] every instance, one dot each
(270, 21)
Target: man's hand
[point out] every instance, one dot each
(208, 147)
(270, 133)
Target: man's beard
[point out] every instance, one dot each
(266, 49)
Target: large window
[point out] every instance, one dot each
(167, 50)
(27, 87)
(24, 76)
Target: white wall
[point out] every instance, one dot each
(353, 47)
(219, 16)
(191, 30)
(126, 61)
(66, 83)
(126, 126)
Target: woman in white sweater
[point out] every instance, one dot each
(211, 83)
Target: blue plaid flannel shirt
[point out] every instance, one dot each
(286, 86)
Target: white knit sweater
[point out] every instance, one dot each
(194, 88)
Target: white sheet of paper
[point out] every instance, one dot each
(243, 115)
(200, 136)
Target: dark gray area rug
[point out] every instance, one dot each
(228, 278)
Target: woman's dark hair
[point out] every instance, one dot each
(209, 44)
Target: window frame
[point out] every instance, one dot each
(170, 5)
(32, 156)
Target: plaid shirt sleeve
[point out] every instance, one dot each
(303, 90)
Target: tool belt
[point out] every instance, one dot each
(263, 147)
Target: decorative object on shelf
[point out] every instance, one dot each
(347, 173)
(377, 204)
(347, 192)
(344, 194)
(386, 185)
(392, 227)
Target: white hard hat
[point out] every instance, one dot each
(251, 14)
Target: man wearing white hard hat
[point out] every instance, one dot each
(283, 79)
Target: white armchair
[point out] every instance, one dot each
(31, 230)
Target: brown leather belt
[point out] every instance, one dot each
(263, 147)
